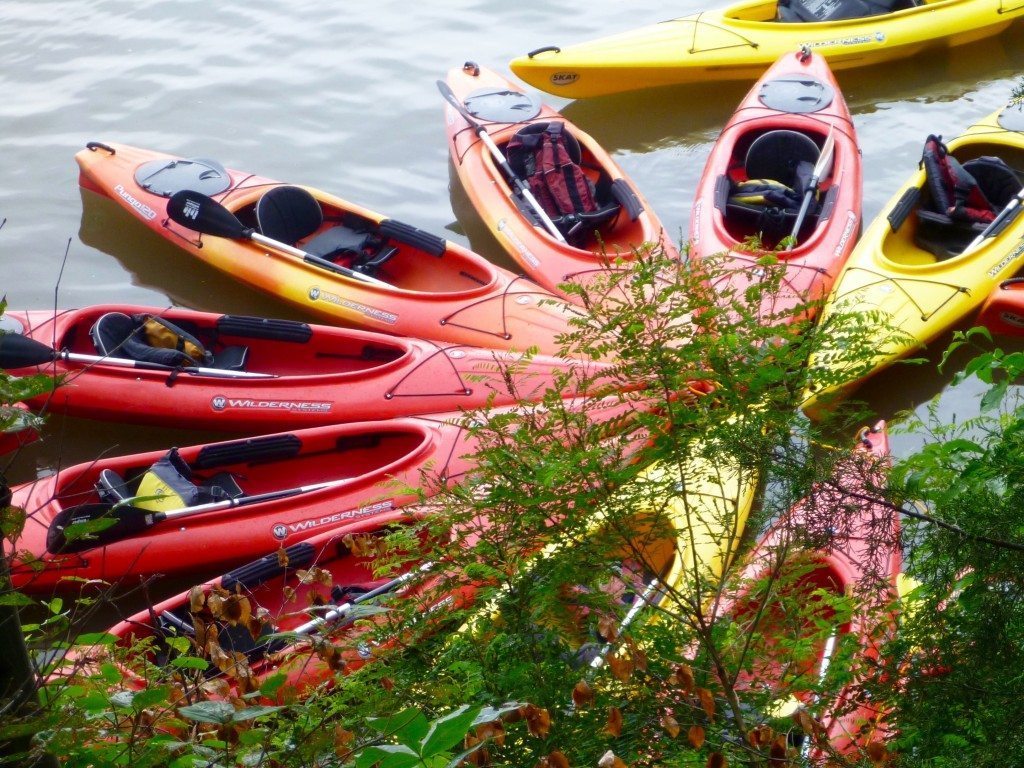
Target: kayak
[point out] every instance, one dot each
(315, 587)
(352, 265)
(739, 41)
(916, 273)
(1003, 310)
(608, 237)
(214, 506)
(265, 375)
(862, 561)
(754, 184)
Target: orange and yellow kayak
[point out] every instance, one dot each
(424, 285)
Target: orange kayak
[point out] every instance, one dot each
(265, 375)
(605, 239)
(783, 122)
(1003, 310)
(421, 285)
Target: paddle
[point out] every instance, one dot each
(639, 602)
(820, 169)
(1010, 212)
(500, 159)
(18, 351)
(201, 213)
(129, 520)
(344, 608)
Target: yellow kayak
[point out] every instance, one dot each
(740, 41)
(916, 272)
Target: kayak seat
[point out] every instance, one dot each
(960, 200)
(800, 11)
(352, 247)
(288, 214)
(777, 154)
(147, 339)
(112, 488)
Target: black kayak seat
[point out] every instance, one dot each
(116, 334)
(288, 214)
(776, 155)
(111, 487)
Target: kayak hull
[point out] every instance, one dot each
(1003, 310)
(317, 374)
(431, 288)
(546, 260)
(904, 295)
(738, 42)
(825, 242)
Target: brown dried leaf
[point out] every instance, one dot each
(289, 594)
(695, 736)
(877, 752)
(621, 667)
(494, 730)
(215, 602)
(582, 695)
(779, 752)
(282, 557)
(608, 628)
(613, 727)
(362, 545)
(218, 657)
(387, 683)
(538, 721)
(555, 759)
(255, 627)
(236, 609)
(196, 598)
(682, 675)
(707, 702)
(610, 760)
(217, 687)
(716, 760)
(342, 739)
(201, 633)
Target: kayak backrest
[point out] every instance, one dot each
(288, 214)
(777, 154)
(795, 11)
(116, 334)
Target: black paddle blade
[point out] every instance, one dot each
(201, 213)
(92, 525)
(17, 351)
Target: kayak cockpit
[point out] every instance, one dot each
(933, 222)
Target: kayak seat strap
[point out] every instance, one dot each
(220, 487)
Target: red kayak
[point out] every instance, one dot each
(863, 560)
(313, 588)
(605, 218)
(1003, 310)
(792, 125)
(252, 374)
(332, 258)
(214, 506)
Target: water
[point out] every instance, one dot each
(342, 97)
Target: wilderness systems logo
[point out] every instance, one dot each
(317, 294)
(221, 403)
(282, 531)
(518, 244)
(140, 208)
(1007, 259)
(564, 78)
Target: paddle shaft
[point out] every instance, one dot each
(1006, 213)
(820, 169)
(344, 608)
(122, 362)
(500, 159)
(276, 245)
(634, 610)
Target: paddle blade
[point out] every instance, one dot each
(93, 525)
(201, 213)
(17, 351)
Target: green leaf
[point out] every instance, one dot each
(15, 598)
(273, 684)
(190, 662)
(387, 756)
(490, 714)
(218, 712)
(251, 713)
(147, 698)
(448, 731)
(408, 725)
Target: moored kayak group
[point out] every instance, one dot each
(343, 429)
